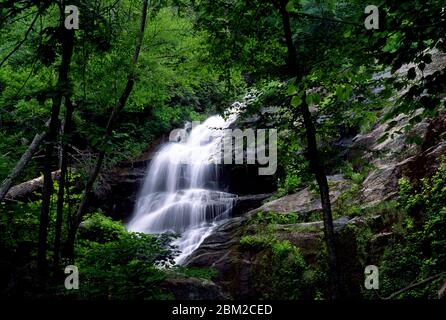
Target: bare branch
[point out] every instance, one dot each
(26, 157)
(415, 285)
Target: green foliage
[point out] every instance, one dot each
(101, 229)
(356, 177)
(291, 183)
(283, 273)
(19, 221)
(19, 225)
(274, 218)
(174, 80)
(244, 35)
(418, 248)
(411, 32)
(256, 241)
(200, 273)
(125, 268)
(348, 203)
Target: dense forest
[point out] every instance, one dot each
(90, 92)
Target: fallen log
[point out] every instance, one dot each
(27, 191)
(26, 157)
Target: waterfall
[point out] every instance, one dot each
(181, 192)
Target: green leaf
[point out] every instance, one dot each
(339, 91)
(296, 101)
(292, 90)
(290, 6)
(309, 99)
(314, 98)
(348, 91)
(343, 92)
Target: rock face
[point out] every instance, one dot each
(118, 195)
(385, 157)
(393, 158)
(245, 180)
(236, 266)
(245, 204)
(305, 201)
(194, 289)
(221, 251)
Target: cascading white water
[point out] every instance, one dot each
(180, 193)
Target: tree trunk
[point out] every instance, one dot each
(63, 87)
(316, 165)
(291, 49)
(26, 157)
(318, 169)
(88, 191)
(63, 179)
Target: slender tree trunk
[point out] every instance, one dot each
(88, 191)
(26, 157)
(69, 109)
(316, 165)
(292, 55)
(63, 87)
(318, 169)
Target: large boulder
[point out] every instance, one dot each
(247, 203)
(307, 201)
